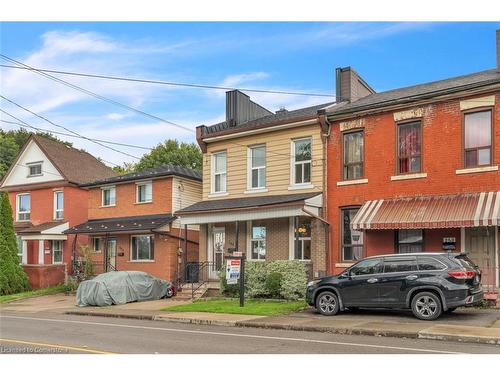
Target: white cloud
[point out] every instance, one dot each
(115, 116)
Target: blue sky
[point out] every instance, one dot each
(276, 56)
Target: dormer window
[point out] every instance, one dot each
(34, 169)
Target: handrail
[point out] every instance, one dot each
(199, 274)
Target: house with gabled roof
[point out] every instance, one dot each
(43, 184)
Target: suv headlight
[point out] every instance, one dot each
(313, 282)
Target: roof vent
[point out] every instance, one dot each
(282, 111)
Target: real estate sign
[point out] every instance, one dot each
(233, 271)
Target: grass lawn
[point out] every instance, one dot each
(32, 293)
(232, 306)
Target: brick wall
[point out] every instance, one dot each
(442, 147)
(44, 276)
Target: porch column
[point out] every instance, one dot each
(296, 229)
(41, 255)
(237, 240)
(185, 253)
(25, 252)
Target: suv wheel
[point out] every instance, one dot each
(327, 303)
(426, 306)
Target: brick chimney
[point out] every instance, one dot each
(350, 86)
(498, 49)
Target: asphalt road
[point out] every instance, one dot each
(56, 333)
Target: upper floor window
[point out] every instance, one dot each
(144, 192)
(353, 155)
(23, 207)
(108, 196)
(258, 242)
(302, 161)
(257, 167)
(477, 133)
(58, 205)
(410, 240)
(410, 147)
(219, 175)
(352, 240)
(34, 169)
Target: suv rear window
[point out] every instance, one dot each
(465, 261)
(429, 264)
(400, 265)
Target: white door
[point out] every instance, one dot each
(111, 253)
(480, 247)
(216, 251)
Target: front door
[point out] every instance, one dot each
(480, 247)
(216, 252)
(111, 254)
(361, 286)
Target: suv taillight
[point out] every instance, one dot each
(462, 274)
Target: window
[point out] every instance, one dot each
(258, 242)
(57, 252)
(353, 155)
(410, 240)
(142, 248)
(302, 247)
(477, 138)
(410, 147)
(34, 169)
(19, 243)
(96, 244)
(258, 167)
(302, 161)
(108, 196)
(429, 264)
(352, 240)
(367, 267)
(219, 172)
(58, 205)
(23, 207)
(144, 192)
(400, 265)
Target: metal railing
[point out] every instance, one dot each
(198, 274)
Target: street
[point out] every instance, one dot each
(56, 333)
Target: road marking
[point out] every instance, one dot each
(233, 335)
(64, 347)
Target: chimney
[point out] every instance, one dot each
(350, 86)
(498, 49)
(281, 111)
(240, 109)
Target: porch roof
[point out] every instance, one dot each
(440, 211)
(50, 230)
(122, 224)
(251, 208)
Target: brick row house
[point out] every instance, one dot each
(131, 225)
(43, 184)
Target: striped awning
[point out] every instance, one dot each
(441, 211)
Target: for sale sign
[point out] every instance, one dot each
(233, 271)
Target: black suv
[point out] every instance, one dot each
(428, 283)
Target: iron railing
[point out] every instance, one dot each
(198, 274)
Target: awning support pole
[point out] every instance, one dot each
(185, 253)
(237, 240)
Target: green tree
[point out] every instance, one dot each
(125, 168)
(12, 277)
(172, 152)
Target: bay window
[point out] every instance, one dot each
(410, 147)
(353, 155)
(477, 134)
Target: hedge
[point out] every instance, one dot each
(286, 279)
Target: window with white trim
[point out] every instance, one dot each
(219, 175)
(19, 244)
(302, 239)
(96, 244)
(23, 207)
(144, 192)
(257, 165)
(57, 252)
(142, 248)
(34, 169)
(258, 242)
(58, 205)
(302, 161)
(478, 135)
(108, 196)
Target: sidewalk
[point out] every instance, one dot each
(465, 325)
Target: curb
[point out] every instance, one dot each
(341, 331)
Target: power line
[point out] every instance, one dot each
(76, 136)
(180, 84)
(67, 129)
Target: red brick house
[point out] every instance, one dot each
(417, 169)
(43, 186)
(131, 224)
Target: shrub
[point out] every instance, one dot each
(255, 279)
(294, 278)
(273, 284)
(71, 285)
(88, 266)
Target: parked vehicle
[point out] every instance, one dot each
(427, 283)
(119, 287)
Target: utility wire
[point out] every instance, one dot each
(180, 84)
(67, 129)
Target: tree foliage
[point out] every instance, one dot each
(172, 152)
(12, 277)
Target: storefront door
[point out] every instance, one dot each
(481, 249)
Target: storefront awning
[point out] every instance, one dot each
(442, 211)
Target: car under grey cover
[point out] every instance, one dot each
(119, 287)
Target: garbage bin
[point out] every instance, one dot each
(192, 272)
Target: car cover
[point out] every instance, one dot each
(119, 287)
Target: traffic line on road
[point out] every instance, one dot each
(54, 346)
(199, 332)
